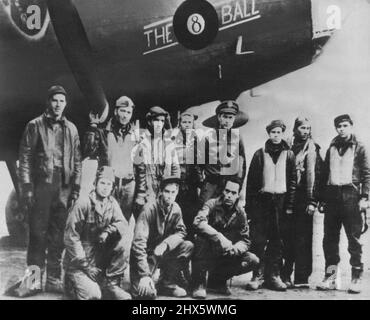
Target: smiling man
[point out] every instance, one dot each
(222, 242)
(49, 174)
(96, 254)
(345, 185)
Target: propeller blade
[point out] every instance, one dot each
(76, 48)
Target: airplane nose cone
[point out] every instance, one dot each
(195, 24)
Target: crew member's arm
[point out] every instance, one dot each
(243, 245)
(291, 181)
(201, 222)
(118, 224)
(139, 255)
(242, 161)
(26, 152)
(324, 176)
(254, 180)
(173, 240)
(364, 165)
(72, 241)
(77, 169)
(314, 197)
(140, 174)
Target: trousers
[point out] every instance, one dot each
(47, 221)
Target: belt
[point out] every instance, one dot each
(365, 225)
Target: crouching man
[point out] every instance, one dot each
(95, 258)
(159, 242)
(222, 242)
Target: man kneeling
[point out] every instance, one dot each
(222, 242)
(159, 242)
(95, 258)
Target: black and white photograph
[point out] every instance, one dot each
(185, 150)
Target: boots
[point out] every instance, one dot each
(199, 292)
(257, 279)
(166, 288)
(184, 278)
(217, 283)
(287, 281)
(219, 287)
(199, 277)
(255, 283)
(54, 285)
(327, 284)
(275, 283)
(355, 286)
(167, 284)
(111, 289)
(330, 281)
(29, 285)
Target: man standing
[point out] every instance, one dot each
(96, 257)
(345, 186)
(186, 143)
(159, 241)
(224, 154)
(222, 243)
(157, 151)
(49, 174)
(270, 196)
(298, 252)
(115, 146)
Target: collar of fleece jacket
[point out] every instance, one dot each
(274, 150)
(342, 145)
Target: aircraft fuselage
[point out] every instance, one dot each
(136, 53)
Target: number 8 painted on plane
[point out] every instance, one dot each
(196, 24)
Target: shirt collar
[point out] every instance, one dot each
(114, 126)
(99, 206)
(338, 141)
(51, 120)
(164, 211)
(233, 209)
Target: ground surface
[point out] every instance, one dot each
(341, 81)
(12, 263)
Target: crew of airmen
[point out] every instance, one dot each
(192, 231)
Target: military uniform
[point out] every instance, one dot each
(153, 227)
(50, 169)
(158, 153)
(186, 144)
(116, 146)
(223, 156)
(88, 219)
(271, 186)
(213, 222)
(345, 180)
(298, 253)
